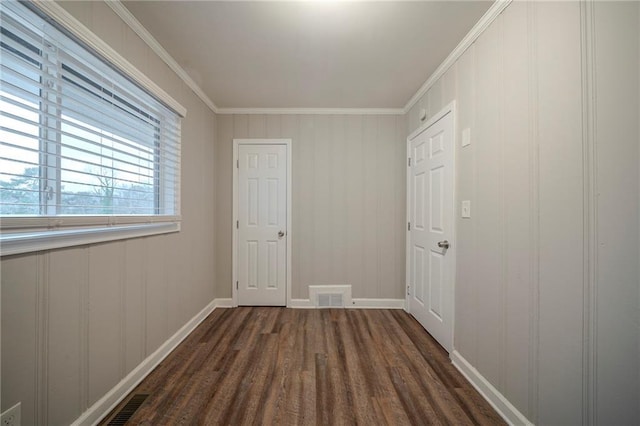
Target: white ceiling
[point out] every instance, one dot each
(309, 54)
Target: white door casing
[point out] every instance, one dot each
(430, 203)
(261, 225)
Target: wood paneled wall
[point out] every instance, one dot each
(614, 346)
(76, 321)
(547, 289)
(348, 199)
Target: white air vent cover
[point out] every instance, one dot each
(330, 296)
(330, 300)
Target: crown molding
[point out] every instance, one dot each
(145, 35)
(487, 19)
(312, 111)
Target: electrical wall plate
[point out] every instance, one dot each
(11, 417)
(466, 209)
(466, 137)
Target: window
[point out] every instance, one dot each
(78, 139)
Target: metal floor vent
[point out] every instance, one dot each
(123, 416)
(330, 300)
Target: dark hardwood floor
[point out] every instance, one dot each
(277, 366)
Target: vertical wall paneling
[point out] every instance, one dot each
(135, 49)
(449, 86)
(67, 354)
(387, 286)
(355, 208)
(80, 319)
(257, 125)
(465, 333)
(321, 190)
(157, 303)
(400, 216)
(370, 204)
(305, 209)
(615, 320)
(534, 209)
(42, 339)
(105, 301)
(501, 206)
(347, 173)
(274, 125)
(434, 97)
(176, 268)
(516, 204)
(590, 166)
(84, 318)
(21, 324)
(223, 177)
(122, 311)
(134, 297)
(487, 212)
(338, 175)
(109, 27)
(547, 275)
(290, 128)
(561, 214)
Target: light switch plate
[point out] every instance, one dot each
(466, 137)
(466, 209)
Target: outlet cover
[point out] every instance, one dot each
(466, 137)
(466, 209)
(11, 417)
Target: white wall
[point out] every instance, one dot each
(547, 285)
(75, 321)
(348, 199)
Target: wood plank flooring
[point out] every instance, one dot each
(278, 366)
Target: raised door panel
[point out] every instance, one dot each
(262, 214)
(431, 207)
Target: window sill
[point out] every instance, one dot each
(32, 241)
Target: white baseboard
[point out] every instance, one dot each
(301, 304)
(224, 303)
(508, 412)
(356, 304)
(111, 399)
(377, 304)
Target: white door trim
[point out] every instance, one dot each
(234, 254)
(448, 109)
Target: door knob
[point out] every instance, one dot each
(280, 234)
(443, 244)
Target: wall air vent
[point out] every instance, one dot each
(128, 410)
(330, 296)
(330, 300)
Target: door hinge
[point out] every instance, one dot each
(408, 291)
(237, 224)
(408, 226)
(237, 164)
(409, 161)
(236, 285)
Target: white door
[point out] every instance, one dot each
(430, 237)
(262, 225)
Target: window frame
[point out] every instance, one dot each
(24, 234)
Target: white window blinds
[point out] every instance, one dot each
(76, 136)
